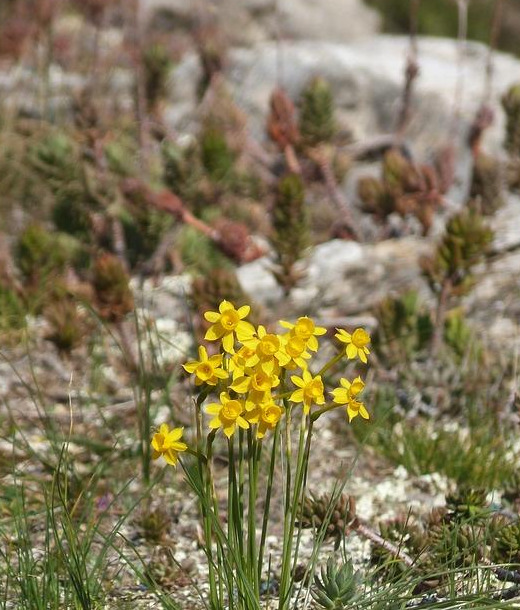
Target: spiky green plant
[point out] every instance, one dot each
(290, 233)
(317, 122)
(114, 297)
(338, 586)
(459, 335)
(217, 157)
(449, 271)
(317, 512)
(506, 544)
(404, 328)
(463, 246)
(487, 183)
(511, 105)
(157, 64)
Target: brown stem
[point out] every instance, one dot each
(440, 315)
(374, 537)
(493, 39)
(411, 71)
(318, 155)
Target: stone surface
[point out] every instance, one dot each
(367, 80)
(251, 21)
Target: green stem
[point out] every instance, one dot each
(331, 363)
(291, 506)
(267, 504)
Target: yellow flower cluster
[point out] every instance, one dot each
(250, 374)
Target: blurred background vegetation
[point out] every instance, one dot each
(439, 18)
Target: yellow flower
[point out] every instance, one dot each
(356, 343)
(270, 415)
(355, 408)
(347, 395)
(257, 381)
(228, 322)
(167, 443)
(348, 390)
(267, 347)
(310, 390)
(306, 330)
(207, 370)
(228, 414)
(244, 358)
(294, 347)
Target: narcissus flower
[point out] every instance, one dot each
(266, 415)
(347, 395)
(356, 343)
(348, 390)
(207, 370)
(310, 390)
(228, 415)
(167, 443)
(294, 347)
(306, 330)
(227, 323)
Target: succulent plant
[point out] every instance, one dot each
(511, 105)
(467, 503)
(404, 328)
(338, 586)
(506, 544)
(67, 326)
(317, 123)
(405, 535)
(487, 183)
(316, 511)
(157, 64)
(458, 334)
(290, 232)
(464, 244)
(114, 298)
(216, 155)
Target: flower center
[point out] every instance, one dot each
(229, 319)
(304, 328)
(204, 371)
(269, 345)
(295, 347)
(231, 410)
(271, 415)
(314, 388)
(360, 338)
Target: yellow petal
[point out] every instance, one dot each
(190, 366)
(362, 357)
(171, 457)
(296, 396)
(298, 381)
(214, 332)
(175, 434)
(212, 316)
(228, 342)
(351, 351)
(243, 311)
(224, 306)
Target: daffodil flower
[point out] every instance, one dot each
(294, 347)
(356, 343)
(228, 415)
(227, 323)
(347, 395)
(207, 370)
(306, 330)
(310, 390)
(167, 443)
